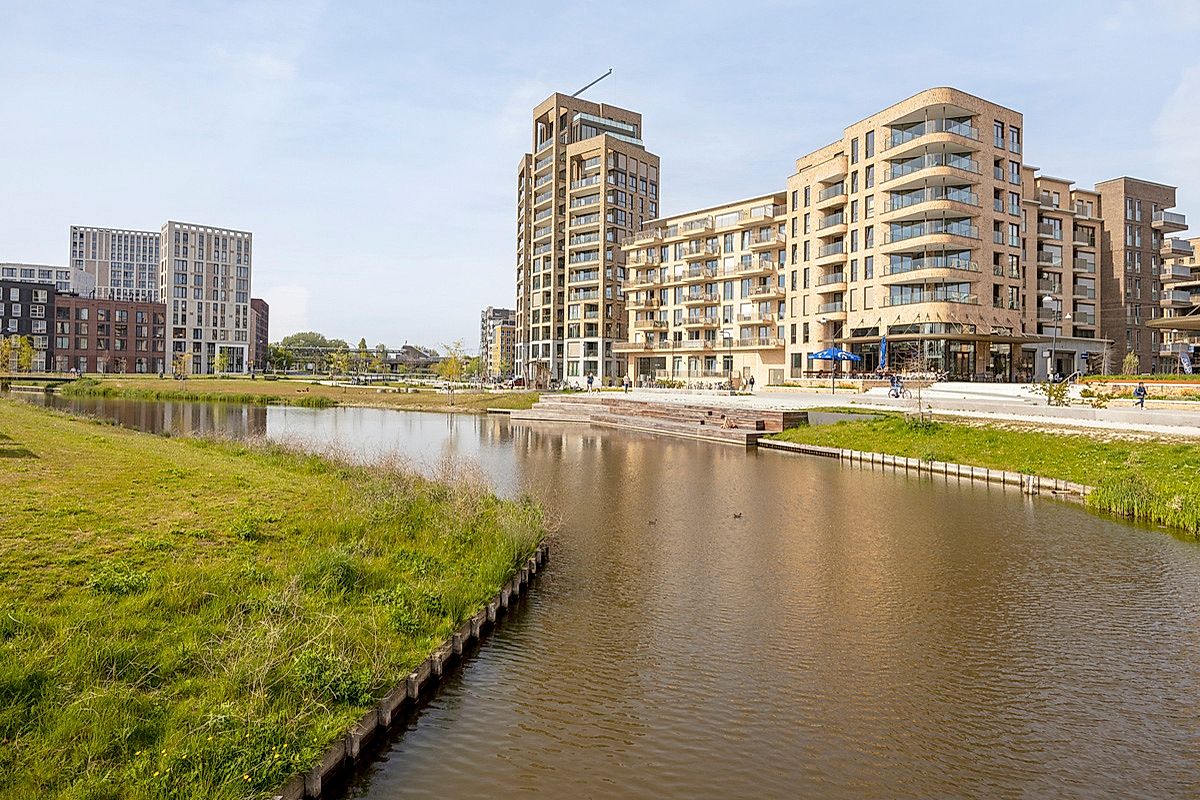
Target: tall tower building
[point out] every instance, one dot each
(1135, 219)
(124, 263)
(588, 184)
(204, 277)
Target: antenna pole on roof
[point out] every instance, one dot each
(593, 83)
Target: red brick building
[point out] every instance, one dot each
(94, 335)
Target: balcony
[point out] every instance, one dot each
(835, 307)
(1052, 287)
(1175, 298)
(1084, 319)
(643, 258)
(1048, 230)
(700, 298)
(930, 194)
(903, 233)
(697, 274)
(1083, 292)
(696, 225)
(633, 347)
(832, 253)
(928, 263)
(1177, 272)
(910, 167)
(769, 292)
(761, 319)
(697, 344)
(649, 324)
(761, 241)
(757, 343)
(914, 133)
(750, 266)
(1082, 238)
(931, 296)
(586, 200)
(767, 214)
(1175, 248)
(591, 180)
(642, 238)
(1084, 265)
(643, 282)
(1174, 348)
(646, 302)
(833, 277)
(1049, 259)
(831, 196)
(1168, 222)
(705, 321)
(697, 251)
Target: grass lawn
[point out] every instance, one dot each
(1150, 481)
(185, 618)
(293, 392)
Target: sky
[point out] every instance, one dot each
(372, 148)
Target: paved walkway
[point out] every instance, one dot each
(1008, 402)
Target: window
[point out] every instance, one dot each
(1014, 172)
(854, 150)
(1014, 139)
(869, 144)
(998, 134)
(807, 195)
(869, 207)
(869, 176)
(868, 267)
(795, 198)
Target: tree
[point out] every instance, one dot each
(450, 368)
(310, 347)
(340, 362)
(181, 365)
(279, 358)
(360, 360)
(1131, 365)
(474, 369)
(24, 354)
(6, 354)
(379, 360)
(220, 362)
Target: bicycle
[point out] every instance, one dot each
(901, 393)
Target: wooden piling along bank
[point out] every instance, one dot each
(368, 733)
(1029, 484)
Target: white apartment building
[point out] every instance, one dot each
(204, 278)
(123, 263)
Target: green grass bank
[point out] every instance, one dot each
(188, 618)
(292, 392)
(1149, 481)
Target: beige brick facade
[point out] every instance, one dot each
(588, 183)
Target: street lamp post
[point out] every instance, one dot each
(1053, 303)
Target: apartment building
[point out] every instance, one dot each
(1064, 234)
(107, 335)
(260, 324)
(501, 349)
(1135, 217)
(704, 295)
(587, 184)
(123, 263)
(1179, 327)
(909, 228)
(204, 277)
(26, 308)
(491, 321)
(63, 279)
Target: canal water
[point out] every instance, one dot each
(726, 623)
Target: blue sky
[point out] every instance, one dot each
(372, 147)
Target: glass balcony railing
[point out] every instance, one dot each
(900, 233)
(831, 191)
(831, 308)
(931, 296)
(908, 134)
(832, 249)
(910, 166)
(966, 196)
(930, 262)
(831, 278)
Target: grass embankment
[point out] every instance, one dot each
(1148, 481)
(297, 393)
(198, 619)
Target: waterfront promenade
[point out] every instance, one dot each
(1013, 403)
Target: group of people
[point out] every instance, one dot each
(627, 383)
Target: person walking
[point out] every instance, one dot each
(751, 384)
(1139, 394)
(590, 380)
